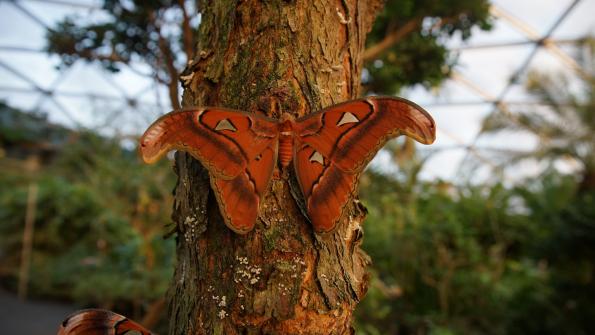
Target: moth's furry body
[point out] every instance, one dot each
(286, 139)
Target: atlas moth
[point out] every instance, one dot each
(329, 149)
(99, 322)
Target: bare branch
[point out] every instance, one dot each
(172, 84)
(169, 62)
(395, 36)
(390, 39)
(187, 34)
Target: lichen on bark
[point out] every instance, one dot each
(268, 57)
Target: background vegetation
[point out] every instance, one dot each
(447, 258)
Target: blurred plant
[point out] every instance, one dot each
(478, 259)
(99, 226)
(561, 241)
(407, 43)
(565, 130)
(487, 259)
(439, 257)
(160, 33)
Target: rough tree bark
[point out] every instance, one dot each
(281, 278)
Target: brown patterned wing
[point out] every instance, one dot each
(239, 150)
(100, 322)
(325, 187)
(334, 145)
(239, 198)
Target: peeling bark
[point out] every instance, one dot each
(269, 57)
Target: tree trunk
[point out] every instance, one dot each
(281, 278)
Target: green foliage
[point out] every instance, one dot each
(133, 30)
(563, 244)
(17, 127)
(98, 229)
(420, 56)
(488, 259)
(479, 260)
(415, 60)
(449, 262)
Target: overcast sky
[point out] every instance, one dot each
(457, 108)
